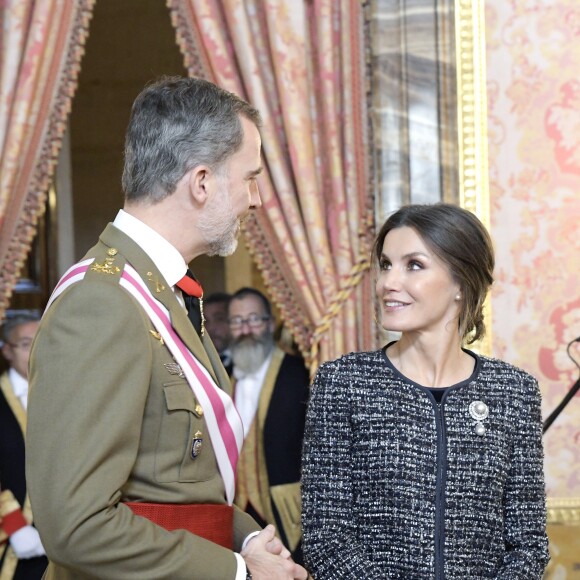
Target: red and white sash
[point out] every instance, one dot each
(223, 421)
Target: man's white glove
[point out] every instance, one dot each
(26, 543)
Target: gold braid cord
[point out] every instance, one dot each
(355, 277)
(334, 308)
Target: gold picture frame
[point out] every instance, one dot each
(564, 534)
(564, 511)
(472, 124)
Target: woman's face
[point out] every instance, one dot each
(415, 289)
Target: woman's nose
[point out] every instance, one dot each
(390, 279)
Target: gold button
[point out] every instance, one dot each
(112, 251)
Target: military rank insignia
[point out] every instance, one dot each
(174, 369)
(108, 266)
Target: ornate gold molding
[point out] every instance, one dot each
(472, 122)
(565, 511)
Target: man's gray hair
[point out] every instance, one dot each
(176, 124)
(15, 320)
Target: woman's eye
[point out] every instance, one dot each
(384, 265)
(413, 265)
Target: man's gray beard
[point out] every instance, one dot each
(226, 243)
(219, 226)
(249, 353)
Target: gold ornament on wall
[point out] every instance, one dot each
(472, 125)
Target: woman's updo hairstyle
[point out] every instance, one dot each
(461, 241)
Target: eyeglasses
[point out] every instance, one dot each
(23, 344)
(253, 321)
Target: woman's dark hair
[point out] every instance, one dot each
(461, 241)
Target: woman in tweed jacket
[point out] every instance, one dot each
(424, 459)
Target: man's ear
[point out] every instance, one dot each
(199, 182)
(7, 352)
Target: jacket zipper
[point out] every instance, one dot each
(440, 491)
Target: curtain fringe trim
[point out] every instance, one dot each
(277, 285)
(194, 58)
(34, 205)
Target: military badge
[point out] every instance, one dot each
(196, 445)
(157, 336)
(174, 369)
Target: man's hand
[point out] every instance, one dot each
(275, 546)
(268, 559)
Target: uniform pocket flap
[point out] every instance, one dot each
(179, 397)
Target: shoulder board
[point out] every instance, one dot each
(108, 263)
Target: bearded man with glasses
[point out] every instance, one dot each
(270, 392)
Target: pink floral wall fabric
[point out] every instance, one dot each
(533, 79)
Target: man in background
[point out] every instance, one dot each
(270, 390)
(132, 434)
(215, 309)
(21, 554)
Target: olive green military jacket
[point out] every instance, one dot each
(110, 420)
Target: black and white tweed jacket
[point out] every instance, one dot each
(396, 485)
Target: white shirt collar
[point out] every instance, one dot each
(19, 386)
(165, 256)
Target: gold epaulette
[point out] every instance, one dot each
(108, 263)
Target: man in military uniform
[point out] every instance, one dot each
(133, 438)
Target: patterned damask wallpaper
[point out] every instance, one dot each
(533, 81)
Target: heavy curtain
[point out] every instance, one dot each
(301, 63)
(41, 46)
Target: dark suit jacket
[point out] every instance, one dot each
(284, 427)
(11, 451)
(109, 422)
(12, 478)
(281, 416)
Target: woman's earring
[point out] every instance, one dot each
(458, 296)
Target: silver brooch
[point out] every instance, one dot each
(479, 411)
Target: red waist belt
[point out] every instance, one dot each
(214, 522)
